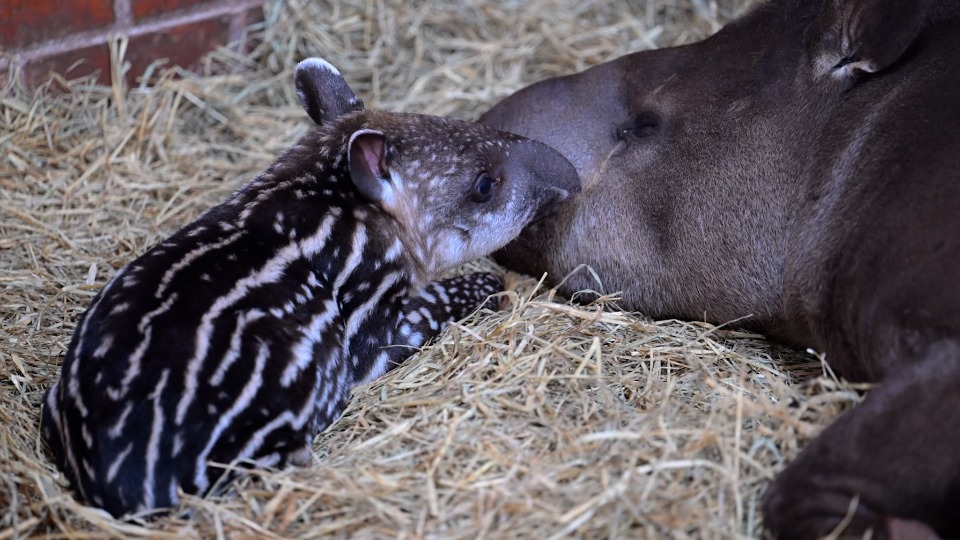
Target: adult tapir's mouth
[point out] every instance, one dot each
(556, 199)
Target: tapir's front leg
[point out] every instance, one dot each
(898, 454)
(385, 344)
(439, 304)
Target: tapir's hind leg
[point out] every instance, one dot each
(898, 454)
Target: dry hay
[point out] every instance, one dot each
(546, 419)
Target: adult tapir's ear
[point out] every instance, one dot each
(367, 151)
(323, 92)
(866, 36)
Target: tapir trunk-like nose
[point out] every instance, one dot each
(552, 177)
(554, 112)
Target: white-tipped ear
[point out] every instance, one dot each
(367, 152)
(323, 92)
(866, 36)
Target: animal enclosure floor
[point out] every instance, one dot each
(543, 420)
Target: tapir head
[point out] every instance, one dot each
(453, 190)
(693, 159)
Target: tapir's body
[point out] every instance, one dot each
(798, 172)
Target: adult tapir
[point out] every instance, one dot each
(800, 167)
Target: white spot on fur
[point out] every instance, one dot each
(105, 345)
(115, 466)
(177, 444)
(393, 252)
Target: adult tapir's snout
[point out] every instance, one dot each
(554, 173)
(553, 112)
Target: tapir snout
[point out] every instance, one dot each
(553, 110)
(557, 176)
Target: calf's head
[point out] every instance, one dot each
(453, 190)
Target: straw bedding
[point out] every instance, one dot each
(544, 420)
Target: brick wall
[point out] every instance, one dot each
(71, 36)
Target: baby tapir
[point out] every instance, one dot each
(800, 168)
(241, 336)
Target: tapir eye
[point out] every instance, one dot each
(641, 125)
(483, 188)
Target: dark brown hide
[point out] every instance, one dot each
(800, 168)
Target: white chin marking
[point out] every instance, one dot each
(319, 63)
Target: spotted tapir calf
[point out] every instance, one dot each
(800, 167)
(240, 337)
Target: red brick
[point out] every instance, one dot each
(142, 9)
(251, 16)
(94, 58)
(23, 22)
(182, 46)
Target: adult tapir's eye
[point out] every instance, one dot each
(483, 188)
(641, 125)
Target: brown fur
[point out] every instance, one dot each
(800, 168)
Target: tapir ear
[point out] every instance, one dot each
(323, 92)
(866, 36)
(368, 165)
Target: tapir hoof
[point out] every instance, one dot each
(902, 529)
(801, 511)
(803, 515)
